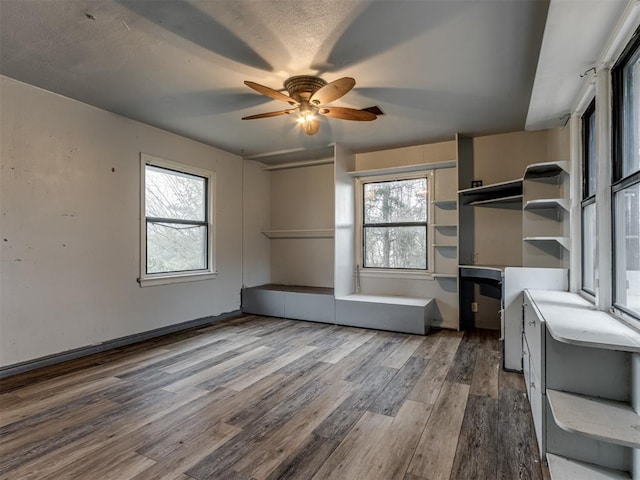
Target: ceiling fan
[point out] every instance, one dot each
(309, 97)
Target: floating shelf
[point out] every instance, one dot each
(495, 202)
(440, 245)
(403, 169)
(562, 468)
(445, 204)
(445, 275)
(606, 420)
(545, 203)
(439, 225)
(545, 170)
(562, 241)
(310, 233)
(494, 188)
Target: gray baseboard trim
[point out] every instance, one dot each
(80, 352)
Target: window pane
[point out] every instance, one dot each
(627, 247)
(176, 248)
(590, 155)
(170, 194)
(631, 116)
(395, 247)
(397, 201)
(589, 248)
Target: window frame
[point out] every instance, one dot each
(163, 278)
(619, 181)
(588, 198)
(360, 225)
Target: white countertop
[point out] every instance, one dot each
(572, 319)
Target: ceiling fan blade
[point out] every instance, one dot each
(348, 114)
(268, 114)
(270, 92)
(332, 91)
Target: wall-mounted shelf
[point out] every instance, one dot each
(440, 245)
(546, 194)
(562, 241)
(445, 204)
(403, 169)
(495, 190)
(562, 468)
(443, 226)
(499, 202)
(547, 203)
(452, 276)
(307, 233)
(545, 170)
(606, 420)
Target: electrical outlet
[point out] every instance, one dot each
(474, 307)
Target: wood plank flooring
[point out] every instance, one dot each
(267, 399)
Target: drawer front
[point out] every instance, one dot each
(536, 400)
(533, 329)
(526, 366)
(534, 393)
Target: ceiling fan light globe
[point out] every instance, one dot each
(306, 117)
(311, 127)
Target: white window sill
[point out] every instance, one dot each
(627, 319)
(587, 296)
(168, 279)
(400, 274)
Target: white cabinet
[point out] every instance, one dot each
(580, 377)
(516, 279)
(533, 344)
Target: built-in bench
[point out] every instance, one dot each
(385, 312)
(316, 304)
(382, 312)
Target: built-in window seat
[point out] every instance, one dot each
(381, 312)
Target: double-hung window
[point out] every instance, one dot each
(177, 220)
(588, 205)
(394, 222)
(626, 180)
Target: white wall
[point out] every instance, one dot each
(256, 269)
(302, 198)
(69, 229)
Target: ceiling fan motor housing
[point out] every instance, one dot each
(301, 87)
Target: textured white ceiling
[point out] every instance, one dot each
(434, 67)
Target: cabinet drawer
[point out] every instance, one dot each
(534, 393)
(525, 366)
(534, 336)
(537, 401)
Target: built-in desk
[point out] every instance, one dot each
(489, 278)
(495, 273)
(506, 284)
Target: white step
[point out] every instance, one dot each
(562, 468)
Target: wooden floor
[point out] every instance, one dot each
(264, 398)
